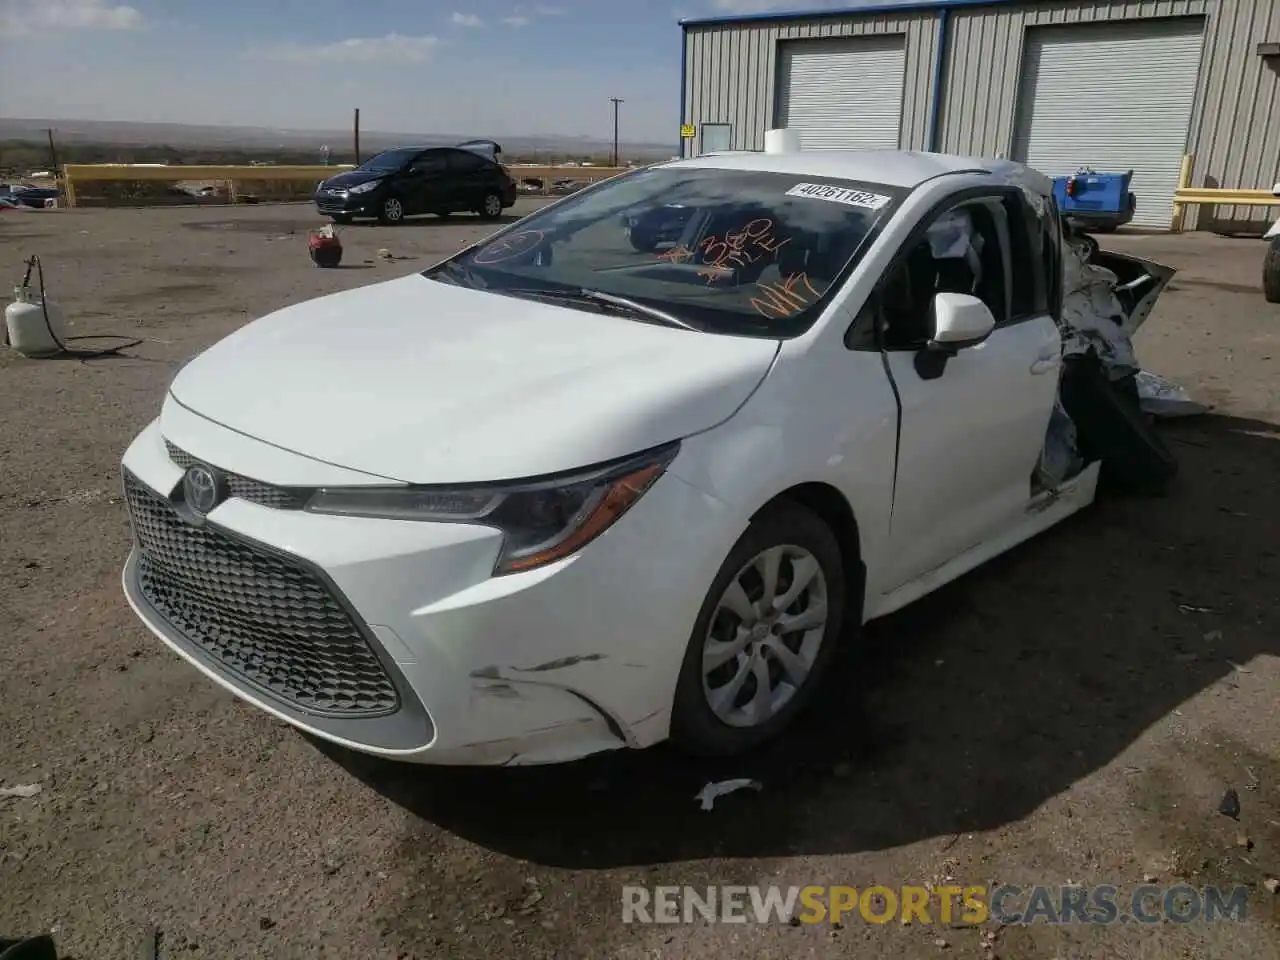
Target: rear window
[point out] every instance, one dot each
(728, 251)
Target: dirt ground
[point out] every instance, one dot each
(1072, 712)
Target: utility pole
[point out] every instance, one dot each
(615, 101)
(356, 134)
(53, 155)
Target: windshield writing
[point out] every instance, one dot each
(727, 251)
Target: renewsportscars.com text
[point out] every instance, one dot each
(947, 905)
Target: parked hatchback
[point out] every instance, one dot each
(408, 181)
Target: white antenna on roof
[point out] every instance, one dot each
(781, 141)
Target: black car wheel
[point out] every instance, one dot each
(491, 206)
(1271, 272)
(392, 211)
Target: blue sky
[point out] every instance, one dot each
(475, 67)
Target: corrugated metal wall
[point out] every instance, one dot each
(1235, 131)
(984, 63)
(731, 70)
(1235, 126)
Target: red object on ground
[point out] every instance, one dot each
(325, 249)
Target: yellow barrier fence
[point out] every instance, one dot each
(80, 173)
(1189, 196)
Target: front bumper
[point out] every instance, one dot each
(352, 205)
(544, 666)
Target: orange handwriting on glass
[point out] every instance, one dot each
(784, 298)
(677, 255)
(751, 244)
(508, 248)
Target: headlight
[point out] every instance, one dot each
(363, 187)
(541, 521)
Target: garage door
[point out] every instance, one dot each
(1112, 97)
(842, 94)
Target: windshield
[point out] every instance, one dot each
(725, 251)
(390, 159)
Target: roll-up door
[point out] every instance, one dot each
(843, 93)
(1112, 97)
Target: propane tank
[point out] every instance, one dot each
(34, 325)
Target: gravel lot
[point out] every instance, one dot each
(1073, 712)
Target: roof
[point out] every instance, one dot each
(869, 9)
(895, 168)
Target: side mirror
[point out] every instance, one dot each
(1276, 189)
(959, 321)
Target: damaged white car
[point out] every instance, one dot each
(558, 495)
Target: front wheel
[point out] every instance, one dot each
(764, 636)
(392, 211)
(491, 206)
(1271, 272)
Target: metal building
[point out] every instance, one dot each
(1058, 84)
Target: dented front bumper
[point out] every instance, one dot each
(544, 666)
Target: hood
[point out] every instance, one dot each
(349, 179)
(424, 382)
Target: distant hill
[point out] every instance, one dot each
(120, 132)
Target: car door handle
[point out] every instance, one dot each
(1047, 365)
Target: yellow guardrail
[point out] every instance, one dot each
(74, 173)
(79, 173)
(1231, 198)
(1189, 196)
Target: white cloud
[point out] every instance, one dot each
(466, 20)
(25, 17)
(515, 20)
(393, 48)
(543, 11)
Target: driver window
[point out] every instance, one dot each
(960, 252)
(428, 163)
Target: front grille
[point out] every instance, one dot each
(255, 491)
(263, 617)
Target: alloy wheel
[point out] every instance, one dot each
(393, 209)
(492, 205)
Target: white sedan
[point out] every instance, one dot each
(558, 495)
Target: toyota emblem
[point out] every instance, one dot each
(201, 488)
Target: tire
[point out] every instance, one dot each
(1110, 427)
(700, 728)
(341, 219)
(491, 206)
(391, 212)
(1271, 272)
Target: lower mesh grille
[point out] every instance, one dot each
(265, 618)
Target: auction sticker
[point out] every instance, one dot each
(845, 195)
